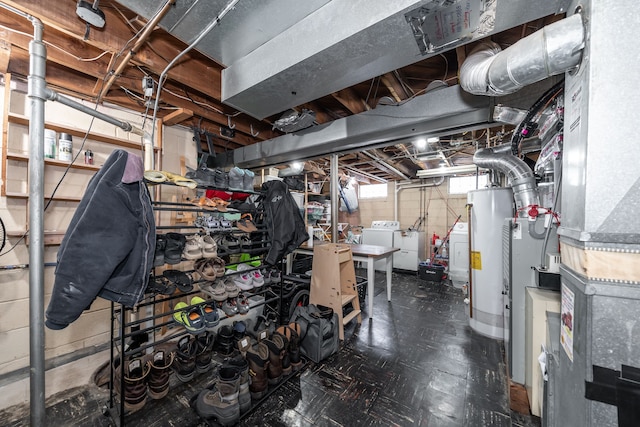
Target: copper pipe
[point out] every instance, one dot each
(131, 53)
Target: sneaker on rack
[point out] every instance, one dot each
(266, 274)
(230, 307)
(243, 281)
(209, 312)
(236, 179)
(275, 275)
(248, 180)
(189, 316)
(231, 288)
(243, 304)
(221, 179)
(257, 278)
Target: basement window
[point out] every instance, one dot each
(464, 184)
(373, 191)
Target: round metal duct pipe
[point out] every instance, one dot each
(551, 50)
(523, 182)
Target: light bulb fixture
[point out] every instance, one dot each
(90, 13)
(420, 144)
(297, 167)
(433, 140)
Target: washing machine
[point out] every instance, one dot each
(380, 234)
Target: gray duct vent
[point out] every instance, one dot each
(291, 121)
(436, 26)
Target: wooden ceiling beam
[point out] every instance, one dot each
(192, 71)
(75, 84)
(178, 116)
(321, 115)
(72, 57)
(393, 84)
(351, 100)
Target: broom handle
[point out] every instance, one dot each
(446, 238)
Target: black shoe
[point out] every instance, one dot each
(221, 179)
(174, 247)
(161, 243)
(159, 285)
(224, 343)
(181, 279)
(184, 363)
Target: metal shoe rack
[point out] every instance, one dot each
(134, 333)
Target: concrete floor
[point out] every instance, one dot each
(416, 364)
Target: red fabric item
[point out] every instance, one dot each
(239, 196)
(224, 195)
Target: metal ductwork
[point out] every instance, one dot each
(372, 129)
(523, 182)
(552, 50)
(280, 54)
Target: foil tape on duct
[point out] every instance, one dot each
(552, 50)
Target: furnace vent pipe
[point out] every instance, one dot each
(551, 50)
(523, 182)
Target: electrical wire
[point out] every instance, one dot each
(77, 58)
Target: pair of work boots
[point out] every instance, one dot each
(142, 377)
(229, 396)
(273, 358)
(193, 355)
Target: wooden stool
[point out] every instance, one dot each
(333, 282)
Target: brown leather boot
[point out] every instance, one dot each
(135, 385)
(285, 333)
(158, 379)
(258, 358)
(276, 353)
(294, 346)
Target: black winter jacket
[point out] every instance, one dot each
(109, 246)
(284, 222)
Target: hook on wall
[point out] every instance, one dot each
(229, 124)
(254, 134)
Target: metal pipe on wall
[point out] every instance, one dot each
(38, 93)
(175, 60)
(400, 187)
(35, 92)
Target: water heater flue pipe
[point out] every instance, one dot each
(551, 50)
(523, 182)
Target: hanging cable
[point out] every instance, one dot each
(163, 75)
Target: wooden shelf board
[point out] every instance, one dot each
(349, 317)
(51, 237)
(14, 195)
(53, 162)
(346, 299)
(80, 133)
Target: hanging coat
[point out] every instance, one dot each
(109, 245)
(285, 224)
